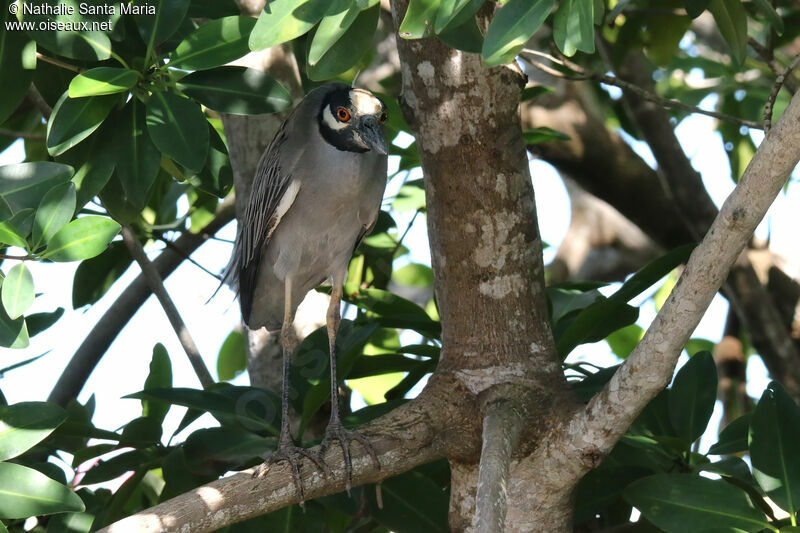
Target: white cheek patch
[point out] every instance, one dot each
(365, 103)
(330, 120)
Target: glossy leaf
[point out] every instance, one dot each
(16, 78)
(54, 212)
(349, 49)
(232, 358)
(775, 446)
(73, 41)
(27, 492)
(731, 20)
(102, 80)
(733, 438)
(419, 19)
(15, 230)
(82, 238)
(95, 276)
(333, 25)
(216, 450)
(22, 185)
(284, 20)
(688, 504)
(13, 333)
(454, 13)
(692, 396)
(573, 27)
(511, 28)
(75, 119)
(116, 466)
(543, 134)
(94, 162)
(155, 29)
(178, 128)
(160, 376)
(236, 90)
(137, 157)
(24, 424)
(411, 502)
(466, 37)
(217, 176)
(216, 43)
(17, 291)
(391, 310)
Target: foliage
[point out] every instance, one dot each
(135, 126)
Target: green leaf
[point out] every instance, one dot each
(26, 492)
(217, 176)
(116, 466)
(178, 128)
(731, 20)
(332, 27)
(138, 159)
(511, 28)
(15, 230)
(17, 291)
(687, 504)
(16, 78)
(419, 19)
(38, 322)
(22, 425)
(454, 13)
(72, 40)
(13, 333)
(411, 502)
(94, 163)
(157, 28)
(75, 119)
(102, 80)
(775, 446)
(466, 37)
(391, 310)
(95, 276)
(692, 396)
(82, 238)
(217, 450)
(22, 185)
(543, 134)
(55, 210)
(284, 20)
(349, 49)
(772, 16)
(160, 377)
(414, 275)
(213, 44)
(695, 8)
(232, 358)
(236, 90)
(733, 438)
(573, 27)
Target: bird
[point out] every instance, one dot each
(316, 194)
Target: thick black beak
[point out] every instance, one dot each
(372, 135)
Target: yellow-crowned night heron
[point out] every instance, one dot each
(316, 194)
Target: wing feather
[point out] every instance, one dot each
(271, 195)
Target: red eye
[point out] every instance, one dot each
(383, 118)
(343, 114)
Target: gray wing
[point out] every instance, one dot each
(260, 218)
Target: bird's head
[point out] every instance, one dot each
(352, 119)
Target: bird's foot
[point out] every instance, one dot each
(336, 431)
(294, 456)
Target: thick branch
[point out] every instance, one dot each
(156, 285)
(409, 436)
(125, 306)
(581, 442)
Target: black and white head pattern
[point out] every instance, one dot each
(346, 116)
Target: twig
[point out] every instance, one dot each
(186, 256)
(579, 73)
(58, 63)
(95, 344)
(157, 286)
(36, 98)
(774, 93)
(22, 134)
(16, 257)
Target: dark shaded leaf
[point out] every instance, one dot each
(156, 28)
(74, 119)
(160, 376)
(692, 396)
(38, 322)
(137, 157)
(543, 134)
(454, 13)
(22, 185)
(214, 44)
(731, 20)
(733, 438)
(95, 276)
(178, 128)
(54, 212)
(348, 49)
(236, 90)
(72, 40)
(22, 425)
(16, 78)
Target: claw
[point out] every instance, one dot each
(292, 455)
(336, 431)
